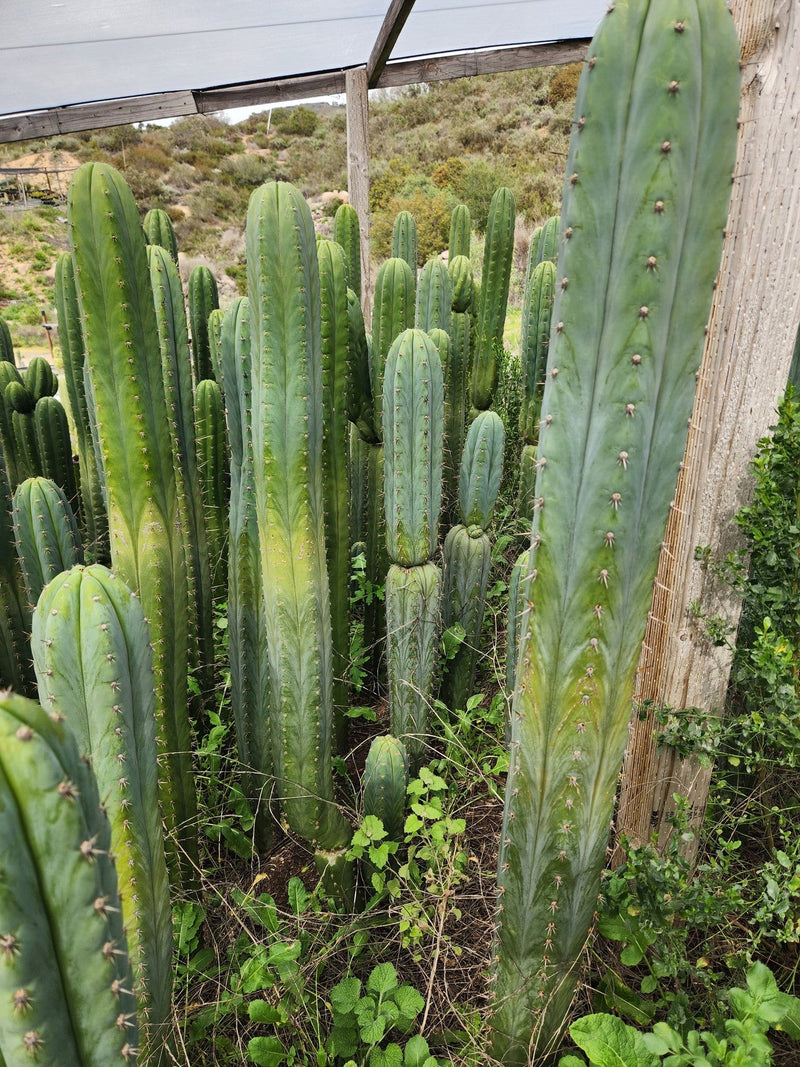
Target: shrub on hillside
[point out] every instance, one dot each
(432, 214)
(564, 83)
(297, 121)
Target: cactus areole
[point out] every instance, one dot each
(645, 202)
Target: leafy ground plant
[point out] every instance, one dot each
(740, 1041)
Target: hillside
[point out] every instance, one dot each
(430, 147)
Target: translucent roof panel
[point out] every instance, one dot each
(55, 53)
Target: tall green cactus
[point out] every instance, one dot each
(70, 333)
(405, 243)
(460, 232)
(545, 246)
(46, 532)
(413, 418)
(247, 640)
(434, 297)
(54, 445)
(537, 308)
(40, 379)
(212, 476)
(94, 667)
(132, 426)
(15, 668)
(644, 206)
(393, 312)
(335, 359)
(6, 344)
(384, 783)
(495, 281)
(203, 298)
(468, 551)
(215, 343)
(346, 232)
(159, 231)
(64, 976)
(176, 373)
(283, 283)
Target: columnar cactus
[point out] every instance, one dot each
(335, 359)
(94, 667)
(384, 784)
(212, 476)
(393, 312)
(404, 240)
(159, 231)
(460, 232)
(462, 283)
(434, 296)
(495, 280)
(544, 247)
(537, 307)
(215, 343)
(70, 334)
(64, 975)
(176, 372)
(15, 671)
(644, 206)
(346, 232)
(468, 551)
(132, 428)
(412, 432)
(46, 533)
(516, 605)
(6, 344)
(247, 640)
(203, 298)
(283, 282)
(40, 379)
(54, 446)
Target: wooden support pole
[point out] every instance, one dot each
(749, 346)
(358, 172)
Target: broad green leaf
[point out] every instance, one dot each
(383, 978)
(345, 994)
(391, 1056)
(372, 1032)
(609, 1042)
(261, 1012)
(410, 1003)
(298, 896)
(620, 998)
(266, 1052)
(571, 1061)
(416, 1051)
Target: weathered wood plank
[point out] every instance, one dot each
(358, 173)
(396, 16)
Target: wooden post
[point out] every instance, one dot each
(749, 346)
(358, 172)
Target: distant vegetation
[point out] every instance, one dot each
(430, 147)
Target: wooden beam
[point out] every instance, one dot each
(75, 117)
(358, 173)
(396, 16)
(482, 61)
(96, 115)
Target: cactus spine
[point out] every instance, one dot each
(64, 978)
(412, 434)
(498, 254)
(94, 667)
(283, 282)
(132, 428)
(644, 206)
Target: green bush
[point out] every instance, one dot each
(298, 121)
